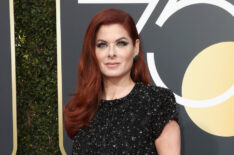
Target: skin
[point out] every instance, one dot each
(169, 142)
(113, 44)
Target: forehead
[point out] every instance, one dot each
(112, 32)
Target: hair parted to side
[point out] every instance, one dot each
(81, 108)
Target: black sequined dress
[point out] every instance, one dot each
(128, 125)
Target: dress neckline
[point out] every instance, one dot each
(131, 93)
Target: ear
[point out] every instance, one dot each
(137, 47)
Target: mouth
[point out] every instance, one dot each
(112, 65)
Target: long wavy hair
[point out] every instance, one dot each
(80, 109)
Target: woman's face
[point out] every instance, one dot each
(115, 51)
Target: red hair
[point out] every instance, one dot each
(81, 108)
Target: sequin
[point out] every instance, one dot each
(128, 125)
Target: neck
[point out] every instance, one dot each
(117, 87)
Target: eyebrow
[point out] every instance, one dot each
(116, 40)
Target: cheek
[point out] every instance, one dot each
(99, 56)
(128, 56)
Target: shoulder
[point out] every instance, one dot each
(157, 92)
(161, 91)
(157, 98)
(163, 109)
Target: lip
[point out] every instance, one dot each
(112, 64)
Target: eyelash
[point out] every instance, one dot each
(119, 43)
(100, 45)
(122, 43)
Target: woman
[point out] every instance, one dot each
(115, 110)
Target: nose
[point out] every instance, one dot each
(111, 51)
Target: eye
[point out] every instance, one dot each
(122, 43)
(101, 45)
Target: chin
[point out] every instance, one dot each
(114, 74)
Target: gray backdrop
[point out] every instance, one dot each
(176, 43)
(6, 131)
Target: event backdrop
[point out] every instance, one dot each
(189, 48)
(8, 135)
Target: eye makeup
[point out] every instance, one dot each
(101, 44)
(122, 43)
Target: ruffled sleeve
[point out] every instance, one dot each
(163, 109)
